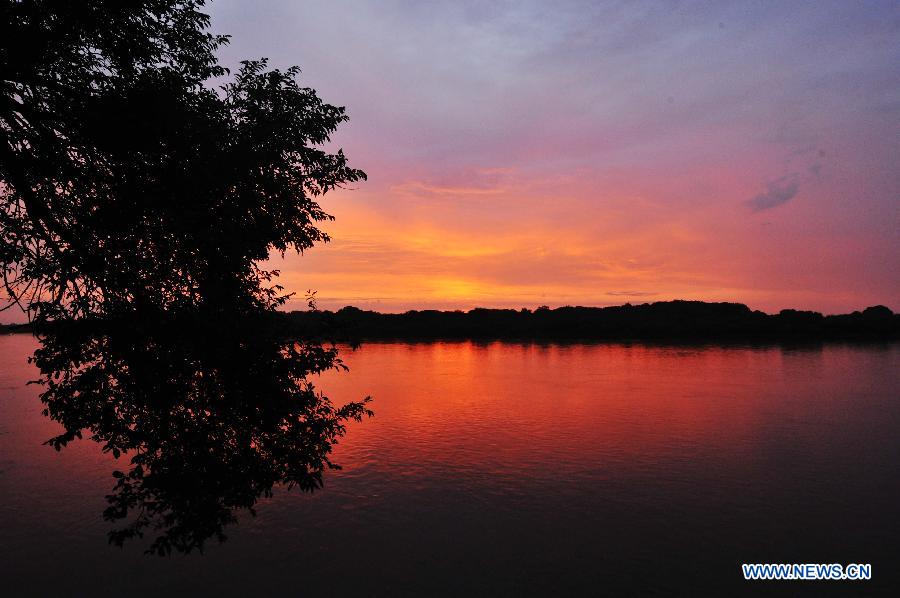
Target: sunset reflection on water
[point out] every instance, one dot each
(505, 468)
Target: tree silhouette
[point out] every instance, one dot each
(128, 183)
(137, 202)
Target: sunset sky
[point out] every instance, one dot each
(526, 153)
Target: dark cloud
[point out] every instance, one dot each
(778, 192)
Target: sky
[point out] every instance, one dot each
(530, 153)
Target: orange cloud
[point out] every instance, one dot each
(580, 241)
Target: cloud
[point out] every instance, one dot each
(522, 152)
(468, 183)
(778, 192)
(426, 189)
(631, 293)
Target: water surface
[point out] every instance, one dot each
(515, 469)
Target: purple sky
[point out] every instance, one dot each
(525, 153)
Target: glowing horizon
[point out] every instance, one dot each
(521, 154)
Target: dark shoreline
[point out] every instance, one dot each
(672, 321)
(669, 322)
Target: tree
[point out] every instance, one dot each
(129, 183)
(136, 205)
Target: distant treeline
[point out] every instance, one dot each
(665, 320)
(11, 328)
